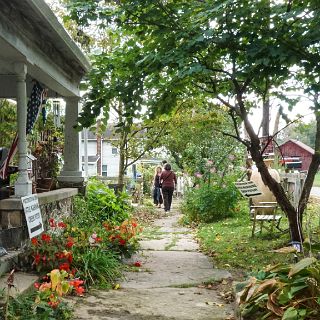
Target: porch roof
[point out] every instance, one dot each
(30, 33)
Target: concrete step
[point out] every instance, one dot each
(8, 261)
(22, 282)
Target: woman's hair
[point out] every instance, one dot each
(157, 168)
(167, 167)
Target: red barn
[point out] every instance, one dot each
(294, 148)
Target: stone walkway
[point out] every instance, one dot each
(169, 285)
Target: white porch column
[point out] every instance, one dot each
(85, 145)
(71, 174)
(23, 185)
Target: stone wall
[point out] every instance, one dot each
(55, 204)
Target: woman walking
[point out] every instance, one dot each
(168, 181)
(157, 197)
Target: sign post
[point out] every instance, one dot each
(33, 215)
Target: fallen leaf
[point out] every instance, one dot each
(212, 303)
(116, 286)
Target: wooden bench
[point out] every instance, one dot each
(272, 219)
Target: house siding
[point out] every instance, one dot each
(290, 149)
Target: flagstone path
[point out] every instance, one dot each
(169, 285)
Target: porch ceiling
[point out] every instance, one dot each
(30, 33)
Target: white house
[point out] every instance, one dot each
(103, 157)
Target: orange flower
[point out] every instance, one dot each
(34, 241)
(53, 304)
(79, 291)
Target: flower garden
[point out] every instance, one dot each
(77, 253)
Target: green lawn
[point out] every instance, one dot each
(316, 182)
(230, 244)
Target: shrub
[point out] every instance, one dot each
(86, 252)
(99, 266)
(24, 307)
(283, 292)
(209, 203)
(100, 205)
(47, 301)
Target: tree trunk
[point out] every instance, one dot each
(276, 124)
(122, 150)
(274, 186)
(266, 116)
(314, 165)
(121, 166)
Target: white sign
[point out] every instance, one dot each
(248, 189)
(33, 215)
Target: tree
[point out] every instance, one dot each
(134, 139)
(194, 136)
(226, 50)
(8, 122)
(304, 132)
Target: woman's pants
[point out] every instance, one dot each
(157, 197)
(167, 193)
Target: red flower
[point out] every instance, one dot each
(122, 242)
(64, 266)
(137, 264)
(36, 285)
(53, 304)
(45, 237)
(98, 239)
(70, 242)
(73, 271)
(79, 291)
(76, 283)
(60, 255)
(62, 225)
(52, 223)
(34, 241)
(68, 255)
(37, 259)
(134, 224)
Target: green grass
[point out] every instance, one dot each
(151, 233)
(316, 182)
(230, 244)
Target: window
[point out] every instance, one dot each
(104, 170)
(114, 150)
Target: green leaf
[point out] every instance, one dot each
(295, 289)
(304, 263)
(290, 314)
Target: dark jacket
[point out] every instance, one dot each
(156, 181)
